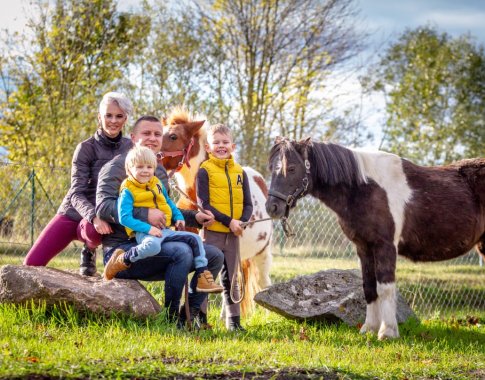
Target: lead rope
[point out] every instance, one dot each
(238, 269)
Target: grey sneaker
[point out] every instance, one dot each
(88, 262)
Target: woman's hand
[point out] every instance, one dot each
(102, 227)
(235, 227)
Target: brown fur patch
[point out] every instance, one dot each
(262, 185)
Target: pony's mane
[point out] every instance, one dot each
(329, 163)
(335, 164)
(178, 115)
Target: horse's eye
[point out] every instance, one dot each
(173, 137)
(291, 169)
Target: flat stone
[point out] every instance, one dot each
(332, 295)
(23, 284)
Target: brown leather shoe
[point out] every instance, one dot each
(115, 264)
(206, 283)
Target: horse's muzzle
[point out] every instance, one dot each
(275, 207)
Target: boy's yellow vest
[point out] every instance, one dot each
(148, 195)
(225, 188)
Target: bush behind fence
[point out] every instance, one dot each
(30, 197)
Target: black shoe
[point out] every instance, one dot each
(204, 324)
(194, 318)
(234, 324)
(88, 262)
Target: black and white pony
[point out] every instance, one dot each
(386, 206)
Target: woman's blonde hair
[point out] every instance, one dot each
(140, 155)
(116, 97)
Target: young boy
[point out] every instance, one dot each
(223, 188)
(143, 189)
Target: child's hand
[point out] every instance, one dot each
(235, 227)
(154, 231)
(180, 225)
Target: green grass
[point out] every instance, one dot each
(61, 342)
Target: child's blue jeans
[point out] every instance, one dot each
(149, 245)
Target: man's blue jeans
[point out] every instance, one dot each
(172, 265)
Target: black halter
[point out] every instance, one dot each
(299, 192)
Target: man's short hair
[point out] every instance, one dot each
(150, 118)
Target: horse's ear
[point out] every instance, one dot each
(307, 141)
(194, 126)
(278, 139)
(164, 120)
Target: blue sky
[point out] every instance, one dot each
(390, 18)
(385, 19)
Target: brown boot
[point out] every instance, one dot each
(114, 265)
(206, 283)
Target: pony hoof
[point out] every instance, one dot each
(368, 328)
(387, 332)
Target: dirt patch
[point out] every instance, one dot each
(287, 374)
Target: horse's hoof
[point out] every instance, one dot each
(388, 332)
(368, 328)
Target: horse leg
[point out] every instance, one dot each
(481, 246)
(263, 261)
(385, 256)
(373, 313)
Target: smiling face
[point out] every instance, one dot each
(142, 172)
(149, 134)
(112, 120)
(220, 145)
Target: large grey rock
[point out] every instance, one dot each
(23, 284)
(332, 295)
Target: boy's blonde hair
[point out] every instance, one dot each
(140, 155)
(219, 128)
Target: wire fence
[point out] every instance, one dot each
(30, 196)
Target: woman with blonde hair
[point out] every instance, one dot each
(76, 217)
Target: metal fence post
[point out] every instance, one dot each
(32, 204)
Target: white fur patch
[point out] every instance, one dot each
(387, 171)
(386, 294)
(372, 318)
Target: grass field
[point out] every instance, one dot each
(61, 343)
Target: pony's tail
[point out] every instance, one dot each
(251, 287)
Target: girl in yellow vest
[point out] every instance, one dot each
(223, 188)
(143, 189)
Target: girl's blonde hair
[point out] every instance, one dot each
(140, 155)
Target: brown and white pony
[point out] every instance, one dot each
(386, 206)
(183, 150)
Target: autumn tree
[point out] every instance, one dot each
(434, 89)
(273, 59)
(73, 52)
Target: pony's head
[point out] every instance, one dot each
(179, 130)
(290, 175)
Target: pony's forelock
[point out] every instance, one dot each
(178, 115)
(280, 150)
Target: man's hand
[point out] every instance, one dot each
(102, 227)
(235, 227)
(205, 218)
(154, 231)
(156, 218)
